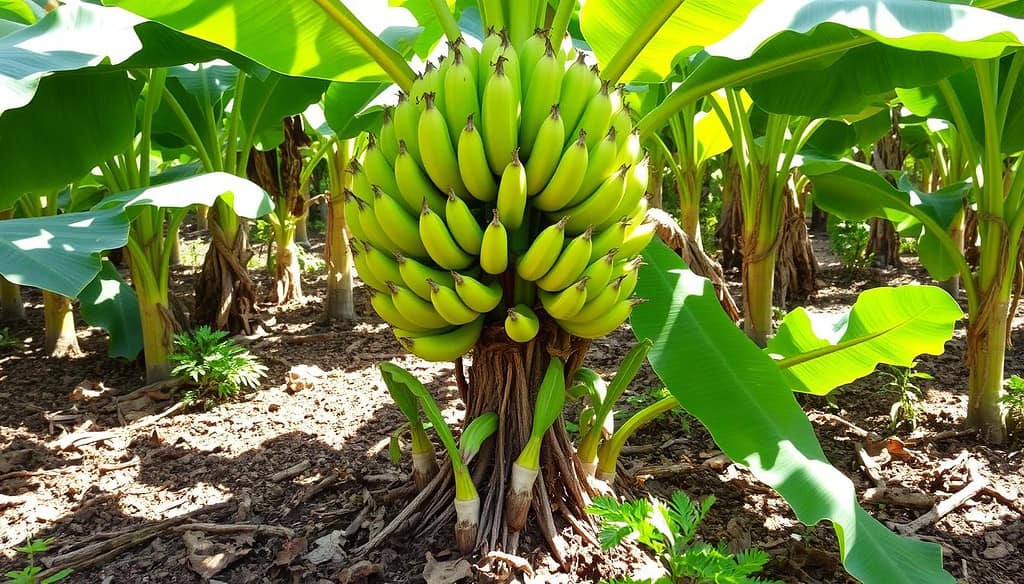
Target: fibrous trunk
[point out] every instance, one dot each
(956, 233)
(796, 271)
(730, 223)
(883, 243)
(225, 296)
(986, 352)
(339, 304)
(504, 378)
(11, 305)
(159, 326)
(59, 326)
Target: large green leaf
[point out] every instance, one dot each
(268, 101)
(885, 325)
(345, 108)
(245, 197)
(111, 304)
(844, 55)
(294, 37)
(74, 36)
(21, 11)
(740, 395)
(59, 253)
(76, 120)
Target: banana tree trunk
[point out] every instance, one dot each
(158, 328)
(986, 350)
(339, 304)
(956, 232)
(302, 224)
(287, 272)
(758, 285)
(689, 207)
(11, 306)
(796, 270)
(174, 240)
(59, 339)
(225, 295)
(883, 242)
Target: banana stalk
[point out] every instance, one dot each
(424, 459)
(610, 450)
(550, 399)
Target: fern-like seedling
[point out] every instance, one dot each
(216, 365)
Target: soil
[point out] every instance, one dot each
(82, 463)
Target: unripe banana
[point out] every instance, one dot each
(407, 125)
(471, 56)
(512, 65)
(415, 275)
(599, 206)
(414, 186)
(445, 346)
(521, 324)
(499, 117)
(630, 274)
(402, 227)
(439, 243)
(494, 247)
(547, 147)
(383, 266)
(637, 238)
(604, 324)
(437, 151)
(360, 184)
(600, 303)
(462, 224)
(597, 117)
(375, 235)
(478, 296)
(489, 51)
(384, 306)
(544, 85)
(363, 269)
(630, 151)
(632, 195)
(448, 304)
(600, 165)
(377, 168)
(512, 194)
(543, 252)
(473, 165)
(622, 121)
(351, 203)
(608, 239)
(415, 309)
(531, 52)
(599, 273)
(578, 85)
(388, 135)
(566, 180)
(570, 264)
(460, 89)
(567, 303)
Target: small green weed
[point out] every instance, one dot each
(849, 241)
(218, 366)
(30, 573)
(1014, 398)
(669, 530)
(311, 263)
(646, 397)
(9, 340)
(905, 408)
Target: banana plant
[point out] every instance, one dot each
(424, 459)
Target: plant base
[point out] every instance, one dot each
(504, 378)
(225, 296)
(59, 339)
(11, 306)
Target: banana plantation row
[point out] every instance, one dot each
(495, 173)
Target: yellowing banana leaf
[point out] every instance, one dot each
(886, 325)
(741, 397)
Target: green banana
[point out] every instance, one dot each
(461, 222)
(384, 306)
(367, 219)
(401, 226)
(608, 239)
(489, 51)
(414, 308)
(499, 118)
(599, 273)
(567, 303)
(547, 145)
(570, 264)
(478, 296)
(544, 85)
(512, 194)
(531, 52)
(637, 238)
(415, 275)
(439, 243)
(521, 324)
(597, 117)
(512, 65)
(630, 274)
(630, 151)
(414, 185)
(388, 135)
(363, 269)
(622, 121)
(632, 195)
(578, 84)
(600, 165)
(360, 184)
(448, 304)
(567, 178)
(461, 98)
(600, 303)
(436, 149)
(473, 165)
(382, 265)
(603, 325)
(444, 346)
(543, 252)
(407, 125)
(351, 203)
(599, 206)
(494, 247)
(377, 168)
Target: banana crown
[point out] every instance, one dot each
(509, 187)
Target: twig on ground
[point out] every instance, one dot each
(290, 472)
(254, 528)
(944, 435)
(357, 523)
(111, 467)
(515, 562)
(944, 507)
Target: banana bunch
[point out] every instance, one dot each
(508, 183)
